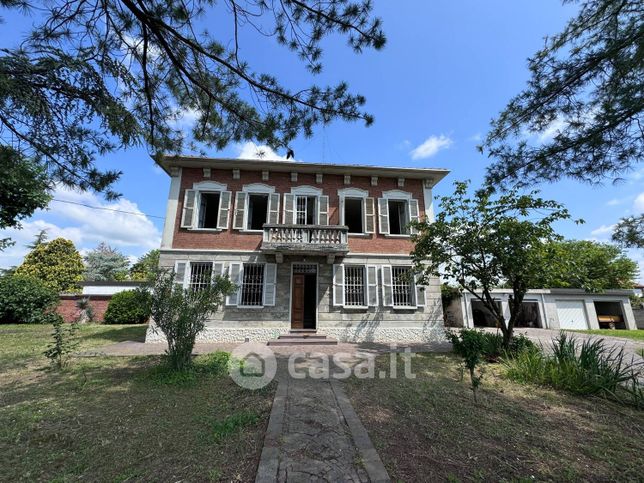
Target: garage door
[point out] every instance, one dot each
(572, 314)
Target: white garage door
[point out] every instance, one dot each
(572, 314)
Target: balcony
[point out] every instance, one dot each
(319, 240)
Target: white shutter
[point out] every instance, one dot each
(372, 286)
(240, 210)
(180, 273)
(369, 216)
(383, 215)
(413, 214)
(387, 291)
(341, 208)
(218, 269)
(323, 210)
(188, 208)
(338, 285)
(288, 209)
(270, 279)
(235, 277)
(273, 208)
(420, 293)
(224, 209)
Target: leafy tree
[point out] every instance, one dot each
(584, 264)
(56, 263)
(24, 187)
(98, 75)
(629, 232)
(586, 88)
(106, 263)
(146, 266)
(39, 239)
(482, 241)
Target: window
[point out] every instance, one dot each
(305, 210)
(398, 217)
(354, 286)
(402, 287)
(353, 215)
(200, 275)
(252, 285)
(208, 209)
(257, 211)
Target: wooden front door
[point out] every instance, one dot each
(297, 302)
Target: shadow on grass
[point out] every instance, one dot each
(135, 333)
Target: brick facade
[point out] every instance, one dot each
(69, 311)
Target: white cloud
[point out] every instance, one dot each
(431, 146)
(250, 150)
(614, 202)
(602, 231)
(554, 128)
(476, 137)
(638, 204)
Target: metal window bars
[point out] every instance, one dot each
(252, 286)
(354, 286)
(402, 286)
(300, 210)
(200, 275)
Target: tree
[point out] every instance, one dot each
(24, 188)
(629, 232)
(106, 263)
(39, 239)
(585, 97)
(95, 76)
(56, 263)
(584, 264)
(482, 241)
(146, 266)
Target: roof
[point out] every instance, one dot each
(566, 291)
(433, 174)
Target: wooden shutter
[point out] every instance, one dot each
(224, 209)
(288, 209)
(218, 269)
(341, 208)
(323, 210)
(270, 279)
(383, 215)
(372, 286)
(387, 291)
(273, 208)
(420, 293)
(413, 215)
(369, 216)
(338, 285)
(235, 277)
(180, 273)
(188, 208)
(240, 210)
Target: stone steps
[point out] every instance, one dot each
(302, 337)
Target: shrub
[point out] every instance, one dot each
(470, 345)
(491, 344)
(65, 342)
(25, 300)
(129, 307)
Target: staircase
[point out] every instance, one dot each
(302, 337)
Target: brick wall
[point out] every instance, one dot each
(69, 311)
(233, 239)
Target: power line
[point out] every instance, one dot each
(108, 209)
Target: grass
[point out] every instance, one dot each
(122, 418)
(627, 334)
(430, 429)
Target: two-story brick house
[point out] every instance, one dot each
(310, 246)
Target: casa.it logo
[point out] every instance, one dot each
(253, 365)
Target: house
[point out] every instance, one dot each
(310, 246)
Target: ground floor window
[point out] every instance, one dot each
(402, 287)
(200, 275)
(354, 286)
(252, 285)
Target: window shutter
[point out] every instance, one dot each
(288, 209)
(372, 285)
(369, 216)
(218, 269)
(188, 208)
(273, 208)
(387, 291)
(270, 279)
(413, 214)
(180, 274)
(323, 210)
(224, 209)
(338, 285)
(420, 293)
(235, 277)
(240, 209)
(383, 215)
(341, 208)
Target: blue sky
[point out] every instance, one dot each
(447, 69)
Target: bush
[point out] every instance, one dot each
(25, 300)
(491, 344)
(65, 342)
(129, 307)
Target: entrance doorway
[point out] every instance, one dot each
(304, 294)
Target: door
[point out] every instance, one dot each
(571, 314)
(297, 302)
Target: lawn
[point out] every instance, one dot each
(430, 429)
(628, 334)
(120, 418)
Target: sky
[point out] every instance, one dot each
(449, 66)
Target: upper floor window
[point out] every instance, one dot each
(356, 210)
(306, 210)
(208, 209)
(306, 205)
(206, 206)
(396, 210)
(255, 205)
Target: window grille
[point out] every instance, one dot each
(402, 286)
(354, 286)
(301, 210)
(200, 275)
(252, 288)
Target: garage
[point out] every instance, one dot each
(571, 314)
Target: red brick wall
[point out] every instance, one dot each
(233, 239)
(69, 311)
